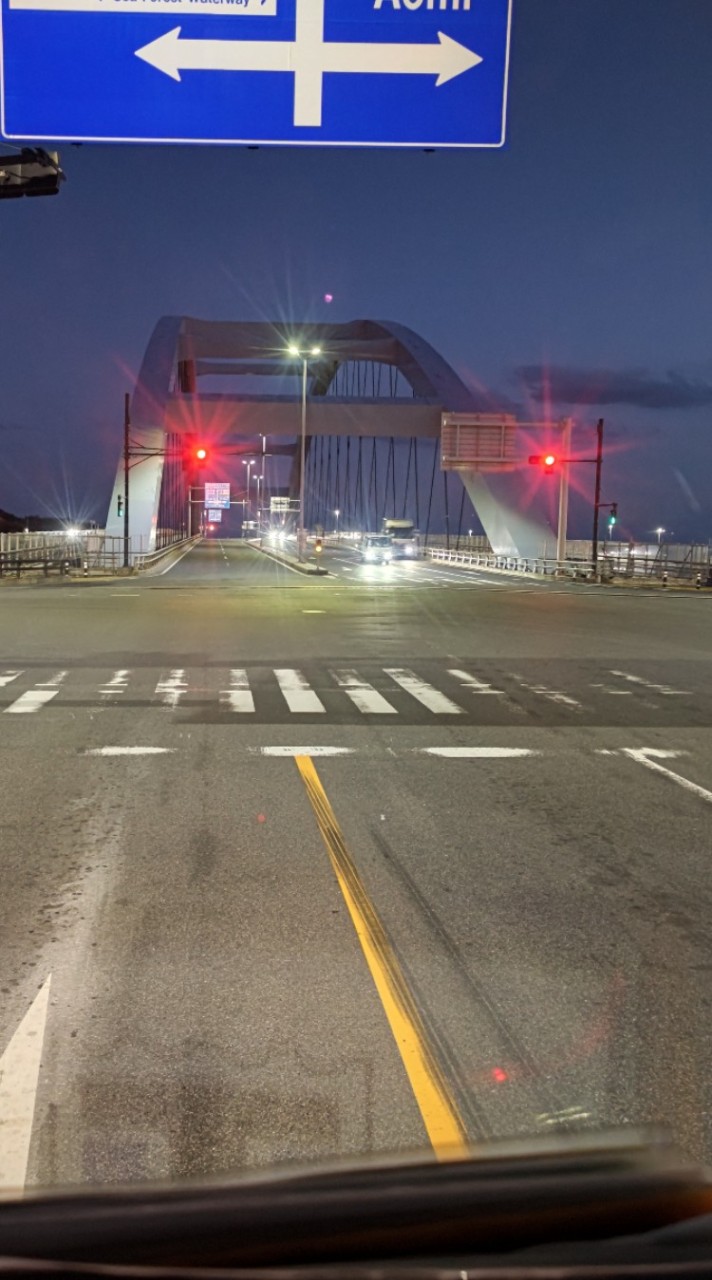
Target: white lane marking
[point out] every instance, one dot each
(53, 682)
(644, 757)
(552, 695)
(171, 688)
(238, 697)
(479, 753)
(303, 751)
(423, 692)
(297, 692)
(615, 693)
(277, 559)
(363, 695)
(172, 565)
(665, 689)
(129, 751)
(117, 684)
(19, 1077)
(658, 752)
(313, 610)
(7, 677)
(475, 685)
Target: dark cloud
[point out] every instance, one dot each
(560, 385)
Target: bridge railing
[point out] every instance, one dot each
(513, 563)
(26, 552)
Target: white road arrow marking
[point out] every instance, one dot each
(309, 57)
(19, 1077)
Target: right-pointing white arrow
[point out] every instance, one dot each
(446, 60)
(309, 59)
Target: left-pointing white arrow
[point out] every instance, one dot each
(309, 59)
(172, 55)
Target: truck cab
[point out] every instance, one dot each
(405, 538)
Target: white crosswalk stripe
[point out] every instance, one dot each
(551, 695)
(297, 692)
(423, 692)
(472, 683)
(7, 677)
(363, 695)
(238, 697)
(171, 688)
(31, 701)
(117, 684)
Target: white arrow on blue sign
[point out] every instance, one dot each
(418, 73)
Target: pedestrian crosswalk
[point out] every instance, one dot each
(332, 694)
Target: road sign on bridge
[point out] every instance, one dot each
(217, 495)
(408, 73)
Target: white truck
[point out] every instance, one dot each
(405, 536)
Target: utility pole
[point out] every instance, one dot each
(127, 457)
(567, 425)
(597, 494)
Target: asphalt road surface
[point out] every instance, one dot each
(394, 859)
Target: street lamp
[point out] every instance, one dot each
(660, 531)
(258, 482)
(337, 513)
(304, 356)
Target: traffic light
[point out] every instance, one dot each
(547, 461)
(119, 504)
(195, 453)
(614, 515)
(318, 546)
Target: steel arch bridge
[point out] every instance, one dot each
(374, 380)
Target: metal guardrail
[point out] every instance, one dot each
(516, 564)
(88, 551)
(147, 560)
(62, 559)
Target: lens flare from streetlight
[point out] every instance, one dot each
(316, 351)
(293, 351)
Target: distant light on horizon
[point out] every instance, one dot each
(328, 297)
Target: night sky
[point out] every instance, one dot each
(573, 266)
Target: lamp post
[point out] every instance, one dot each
(249, 464)
(304, 356)
(258, 482)
(660, 531)
(337, 513)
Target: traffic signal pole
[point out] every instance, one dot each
(597, 494)
(127, 463)
(564, 491)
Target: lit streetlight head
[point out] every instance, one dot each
(293, 351)
(316, 351)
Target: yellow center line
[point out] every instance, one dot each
(437, 1106)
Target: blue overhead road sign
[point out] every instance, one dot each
(418, 73)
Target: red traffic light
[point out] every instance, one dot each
(201, 454)
(547, 461)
